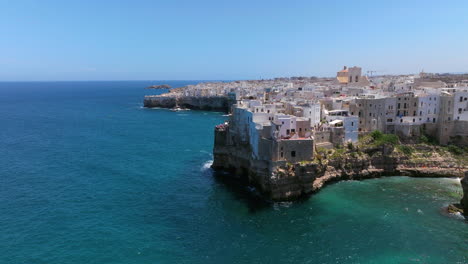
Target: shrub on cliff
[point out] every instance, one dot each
(381, 138)
(407, 150)
(427, 140)
(376, 134)
(455, 150)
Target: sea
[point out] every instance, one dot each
(87, 175)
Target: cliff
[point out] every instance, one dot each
(280, 180)
(210, 103)
(464, 200)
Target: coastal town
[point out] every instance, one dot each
(279, 130)
(333, 111)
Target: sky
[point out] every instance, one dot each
(226, 40)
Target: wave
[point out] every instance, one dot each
(207, 165)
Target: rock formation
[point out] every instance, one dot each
(279, 180)
(210, 103)
(160, 86)
(464, 200)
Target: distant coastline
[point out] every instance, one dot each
(159, 86)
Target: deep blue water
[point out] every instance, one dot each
(89, 176)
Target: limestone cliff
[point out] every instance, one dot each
(464, 200)
(214, 103)
(280, 180)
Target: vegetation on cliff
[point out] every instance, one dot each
(424, 153)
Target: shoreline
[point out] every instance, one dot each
(279, 180)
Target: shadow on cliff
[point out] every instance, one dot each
(242, 192)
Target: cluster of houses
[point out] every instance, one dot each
(285, 119)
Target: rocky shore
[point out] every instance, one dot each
(461, 207)
(282, 181)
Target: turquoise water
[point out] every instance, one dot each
(89, 176)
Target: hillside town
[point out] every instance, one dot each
(315, 112)
(332, 111)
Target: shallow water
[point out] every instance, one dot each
(89, 176)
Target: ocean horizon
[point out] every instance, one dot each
(88, 175)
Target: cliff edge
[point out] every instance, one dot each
(464, 200)
(171, 100)
(370, 158)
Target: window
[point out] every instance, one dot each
(352, 123)
(460, 111)
(390, 120)
(357, 78)
(461, 99)
(414, 120)
(293, 153)
(281, 154)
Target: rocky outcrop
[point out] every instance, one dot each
(464, 200)
(209, 103)
(160, 86)
(461, 207)
(281, 181)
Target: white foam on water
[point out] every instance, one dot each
(207, 165)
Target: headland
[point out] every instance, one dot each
(289, 137)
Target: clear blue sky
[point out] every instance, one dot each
(213, 39)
